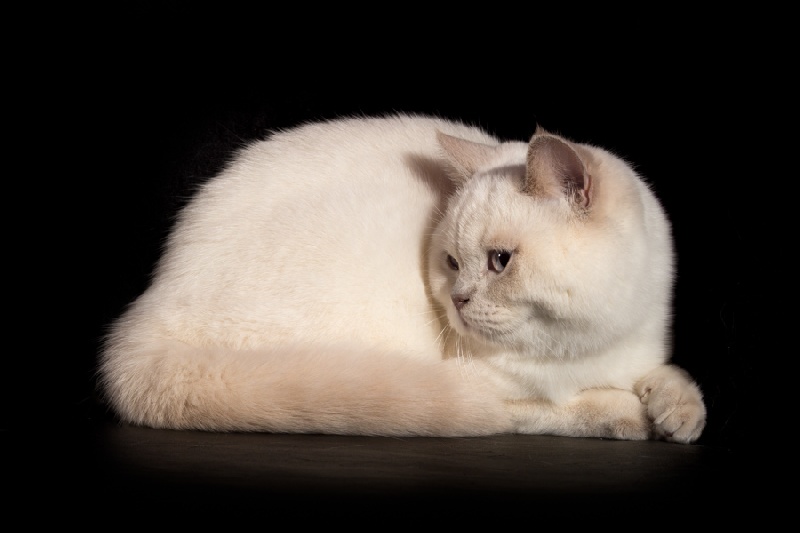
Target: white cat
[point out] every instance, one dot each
(409, 275)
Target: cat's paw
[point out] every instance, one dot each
(674, 404)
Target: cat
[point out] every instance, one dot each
(410, 275)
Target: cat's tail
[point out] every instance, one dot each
(335, 390)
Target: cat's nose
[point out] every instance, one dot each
(459, 300)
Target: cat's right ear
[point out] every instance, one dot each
(555, 170)
(465, 157)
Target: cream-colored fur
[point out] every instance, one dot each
(409, 275)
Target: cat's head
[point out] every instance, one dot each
(548, 247)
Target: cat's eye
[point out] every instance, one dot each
(451, 262)
(498, 259)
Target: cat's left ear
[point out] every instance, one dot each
(466, 157)
(555, 170)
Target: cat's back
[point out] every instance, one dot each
(331, 176)
(334, 161)
(349, 143)
(316, 224)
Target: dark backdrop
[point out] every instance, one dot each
(155, 122)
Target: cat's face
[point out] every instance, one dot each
(499, 264)
(550, 250)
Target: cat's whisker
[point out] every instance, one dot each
(554, 345)
(433, 312)
(464, 359)
(439, 341)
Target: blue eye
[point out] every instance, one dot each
(498, 259)
(451, 262)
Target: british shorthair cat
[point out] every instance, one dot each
(410, 276)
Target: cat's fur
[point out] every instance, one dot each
(408, 275)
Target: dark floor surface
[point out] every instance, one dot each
(138, 473)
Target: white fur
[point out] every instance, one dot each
(307, 289)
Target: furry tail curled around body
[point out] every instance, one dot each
(334, 390)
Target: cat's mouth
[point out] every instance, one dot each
(460, 322)
(461, 325)
(468, 328)
(486, 330)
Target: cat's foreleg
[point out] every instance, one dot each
(603, 413)
(664, 404)
(674, 403)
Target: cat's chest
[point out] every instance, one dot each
(556, 381)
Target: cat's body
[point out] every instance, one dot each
(410, 276)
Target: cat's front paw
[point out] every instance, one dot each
(674, 404)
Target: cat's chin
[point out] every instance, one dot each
(478, 337)
(463, 328)
(479, 340)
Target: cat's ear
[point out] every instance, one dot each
(555, 170)
(465, 157)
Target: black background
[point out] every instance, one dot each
(154, 106)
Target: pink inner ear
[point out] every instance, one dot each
(585, 194)
(465, 156)
(555, 169)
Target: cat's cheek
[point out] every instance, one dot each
(457, 321)
(440, 290)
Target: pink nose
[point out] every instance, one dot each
(459, 300)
